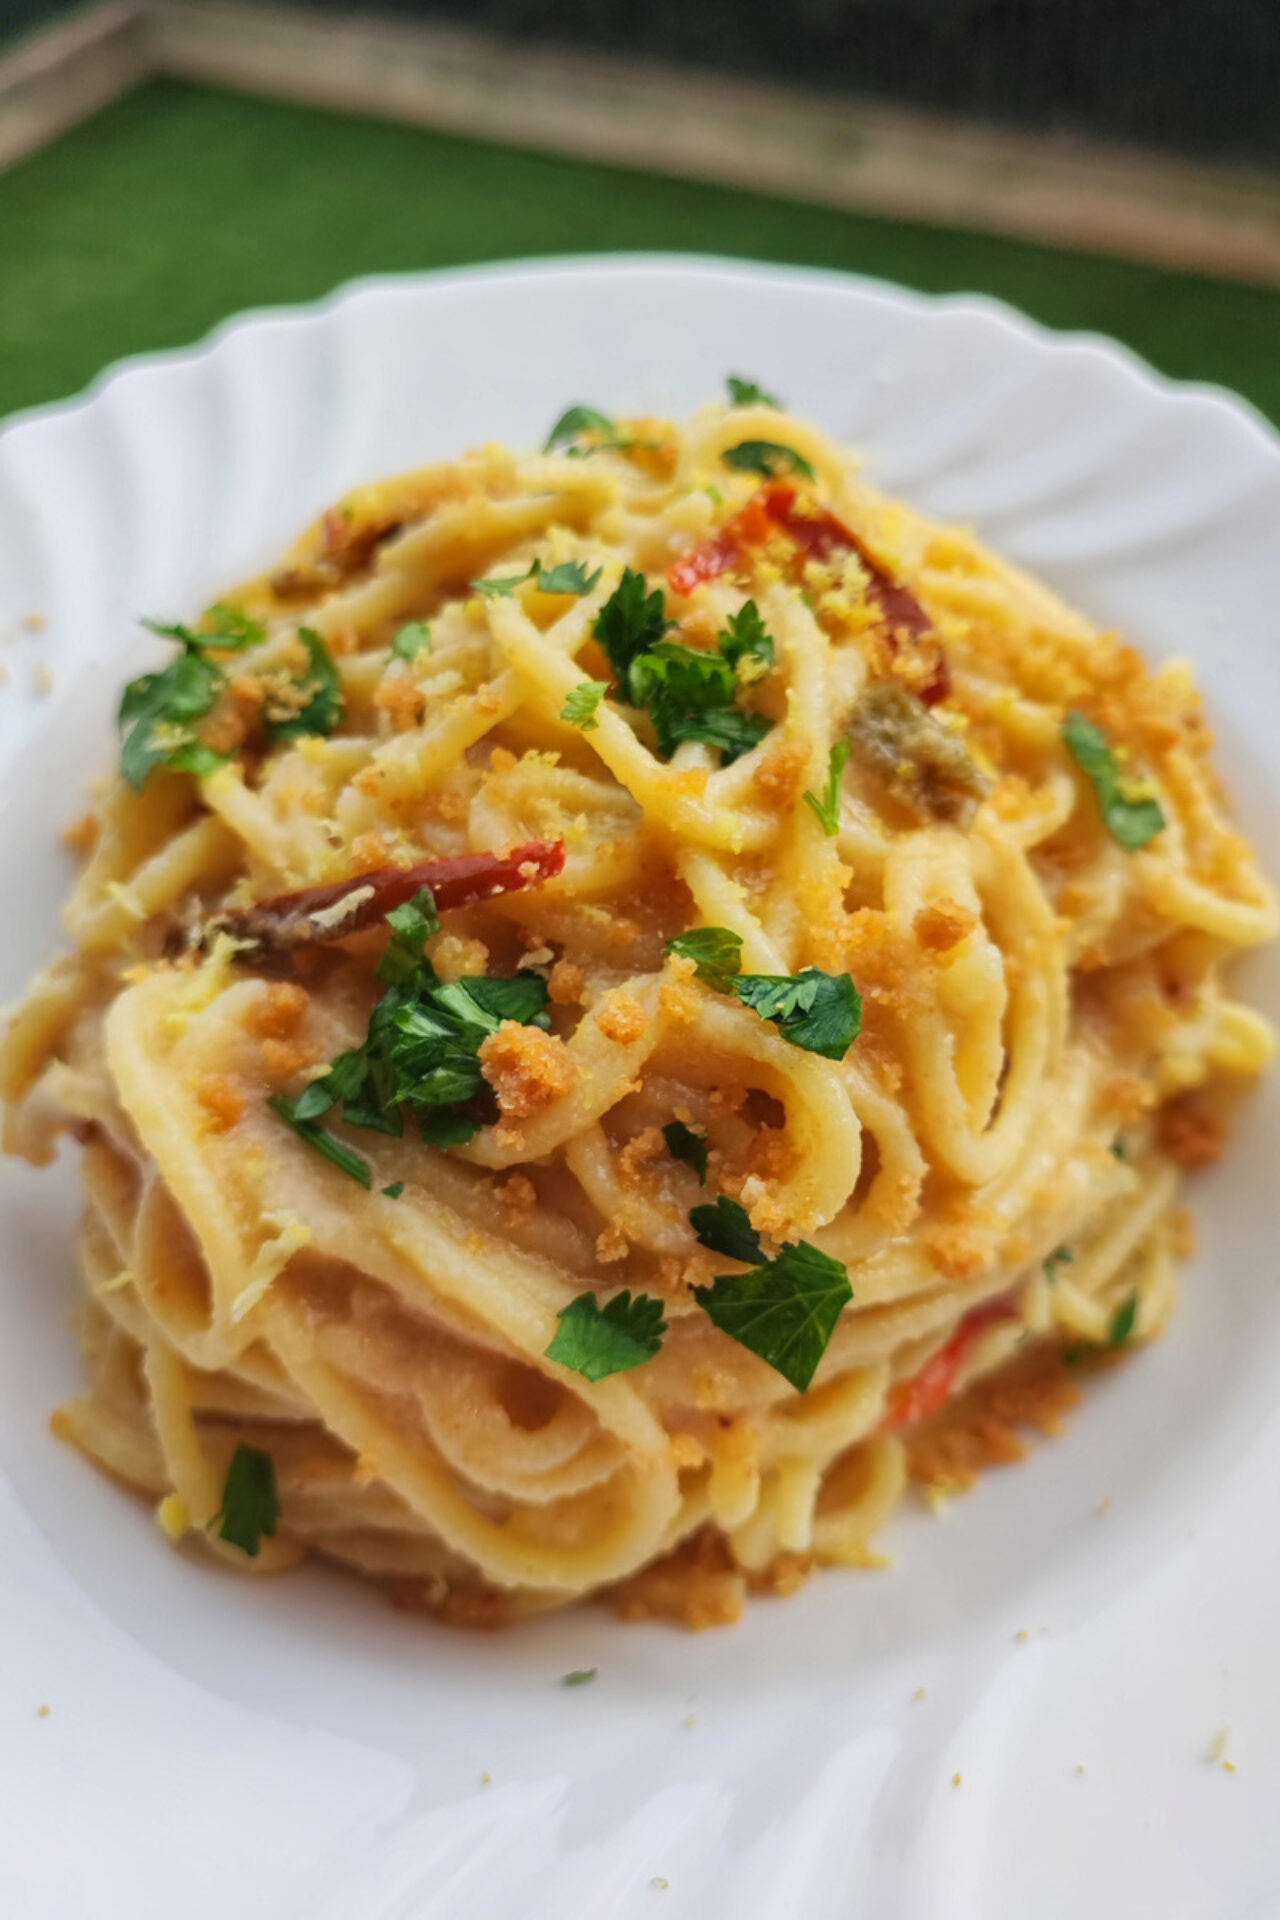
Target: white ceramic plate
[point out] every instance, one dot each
(1065, 1646)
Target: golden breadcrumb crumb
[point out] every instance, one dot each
(284, 1058)
(82, 835)
(222, 1100)
(565, 985)
(956, 1251)
(369, 851)
(1192, 1131)
(519, 1195)
(281, 1010)
(697, 1586)
(621, 1017)
(401, 698)
(780, 776)
(943, 925)
(786, 1573)
(528, 1070)
(612, 1245)
(983, 1427)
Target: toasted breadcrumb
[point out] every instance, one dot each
(785, 1574)
(612, 1245)
(401, 698)
(369, 851)
(985, 1426)
(82, 835)
(528, 1070)
(621, 1017)
(222, 1101)
(943, 925)
(281, 1010)
(285, 1058)
(519, 1195)
(566, 983)
(957, 1251)
(1191, 1131)
(697, 1586)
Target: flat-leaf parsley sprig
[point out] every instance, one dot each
(689, 693)
(596, 1340)
(816, 1011)
(785, 1307)
(1131, 817)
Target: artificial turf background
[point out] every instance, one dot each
(182, 204)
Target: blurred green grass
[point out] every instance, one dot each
(182, 204)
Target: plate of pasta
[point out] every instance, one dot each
(642, 966)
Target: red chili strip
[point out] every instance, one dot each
(308, 917)
(928, 1391)
(818, 534)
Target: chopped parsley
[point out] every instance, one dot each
(828, 807)
(1118, 1148)
(157, 716)
(569, 576)
(413, 638)
(746, 638)
(421, 1053)
(745, 393)
(785, 1308)
(320, 691)
(250, 1506)
(588, 423)
(582, 702)
(158, 710)
(724, 1226)
(577, 421)
(684, 1143)
(1130, 818)
(821, 1012)
(716, 953)
(1122, 1322)
(1060, 1257)
(631, 621)
(394, 1191)
(581, 1677)
(412, 925)
(688, 692)
(320, 1138)
(768, 458)
(596, 1341)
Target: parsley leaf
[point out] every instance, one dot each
(231, 629)
(1122, 1321)
(683, 1143)
(746, 637)
(323, 706)
(715, 951)
(828, 807)
(501, 586)
(394, 1191)
(570, 576)
(1060, 1257)
(688, 691)
(412, 925)
(596, 1341)
(821, 1012)
(679, 686)
(725, 1227)
(158, 711)
(580, 1678)
(323, 1141)
(768, 458)
(421, 1050)
(250, 1501)
(631, 621)
(785, 1309)
(577, 421)
(581, 702)
(1132, 820)
(745, 393)
(413, 638)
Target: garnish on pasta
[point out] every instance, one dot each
(628, 999)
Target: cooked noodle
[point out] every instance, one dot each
(1045, 1030)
